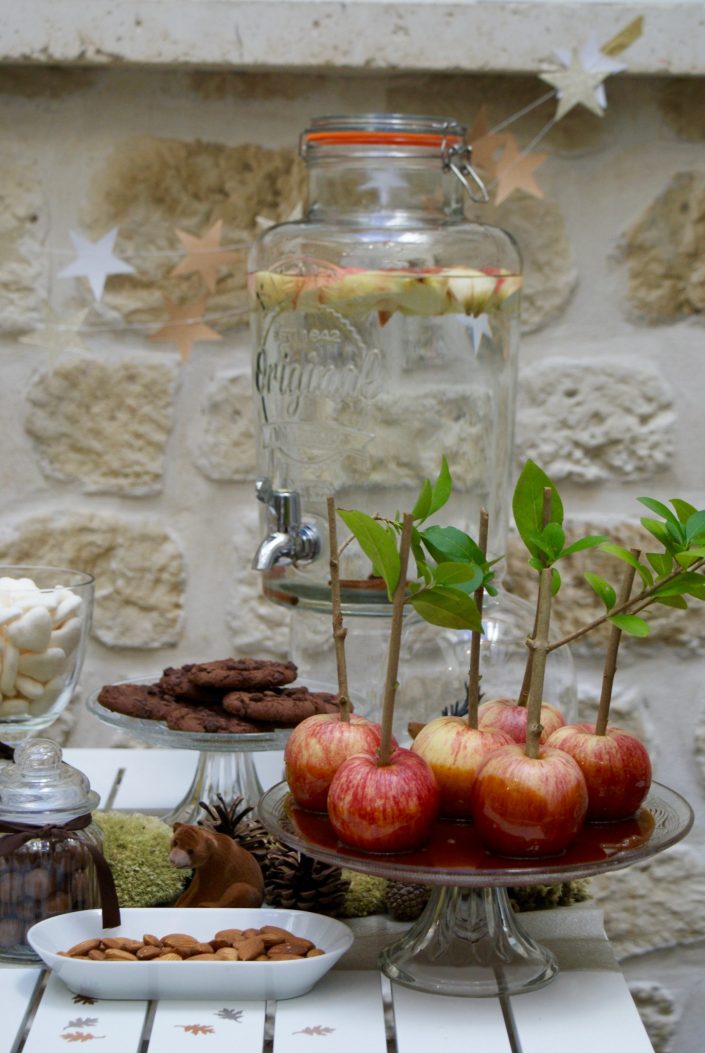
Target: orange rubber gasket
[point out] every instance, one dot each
(371, 138)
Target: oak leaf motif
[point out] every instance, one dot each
(197, 1029)
(317, 1029)
(230, 1014)
(85, 1021)
(80, 1036)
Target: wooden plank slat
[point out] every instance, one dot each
(228, 1026)
(61, 1014)
(428, 1021)
(342, 1014)
(17, 984)
(581, 1010)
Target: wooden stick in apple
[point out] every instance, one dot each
(526, 683)
(474, 671)
(390, 683)
(615, 764)
(614, 640)
(339, 631)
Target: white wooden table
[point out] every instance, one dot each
(587, 1007)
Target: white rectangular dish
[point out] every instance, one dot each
(191, 980)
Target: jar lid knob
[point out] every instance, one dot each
(40, 786)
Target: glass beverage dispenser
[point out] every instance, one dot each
(385, 335)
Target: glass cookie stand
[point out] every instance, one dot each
(468, 941)
(225, 764)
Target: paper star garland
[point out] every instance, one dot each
(185, 326)
(515, 171)
(204, 255)
(485, 144)
(58, 334)
(580, 81)
(95, 261)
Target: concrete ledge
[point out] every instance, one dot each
(362, 35)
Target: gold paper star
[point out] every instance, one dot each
(515, 171)
(185, 326)
(485, 144)
(576, 85)
(59, 333)
(204, 255)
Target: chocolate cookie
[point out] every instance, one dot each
(284, 708)
(241, 674)
(149, 702)
(146, 701)
(177, 682)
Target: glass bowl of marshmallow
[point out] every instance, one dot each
(45, 618)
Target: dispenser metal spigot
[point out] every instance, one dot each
(289, 541)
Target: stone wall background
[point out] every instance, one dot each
(121, 460)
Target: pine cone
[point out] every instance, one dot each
(296, 882)
(406, 901)
(232, 819)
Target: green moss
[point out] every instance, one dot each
(545, 897)
(137, 848)
(365, 895)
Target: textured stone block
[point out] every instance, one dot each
(656, 903)
(258, 626)
(659, 1013)
(664, 252)
(226, 449)
(595, 420)
(137, 564)
(103, 425)
(149, 187)
(23, 262)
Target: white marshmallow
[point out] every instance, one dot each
(31, 689)
(67, 636)
(10, 661)
(43, 666)
(8, 613)
(14, 707)
(69, 603)
(32, 631)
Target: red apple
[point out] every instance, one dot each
(315, 750)
(615, 765)
(528, 806)
(505, 714)
(384, 808)
(454, 752)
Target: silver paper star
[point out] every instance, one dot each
(95, 261)
(576, 85)
(479, 326)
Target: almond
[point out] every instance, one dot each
(116, 954)
(228, 954)
(170, 956)
(250, 949)
(83, 948)
(145, 954)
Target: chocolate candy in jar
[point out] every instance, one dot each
(46, 843)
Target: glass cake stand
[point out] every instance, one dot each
(225, 764)
(468, 940)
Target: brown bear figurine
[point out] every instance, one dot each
(224, 874)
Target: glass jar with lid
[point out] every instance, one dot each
(385, 336)
(48, 843)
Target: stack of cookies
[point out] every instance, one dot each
(232, 695)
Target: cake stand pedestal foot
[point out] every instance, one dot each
(230, 774)
(467, 942)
